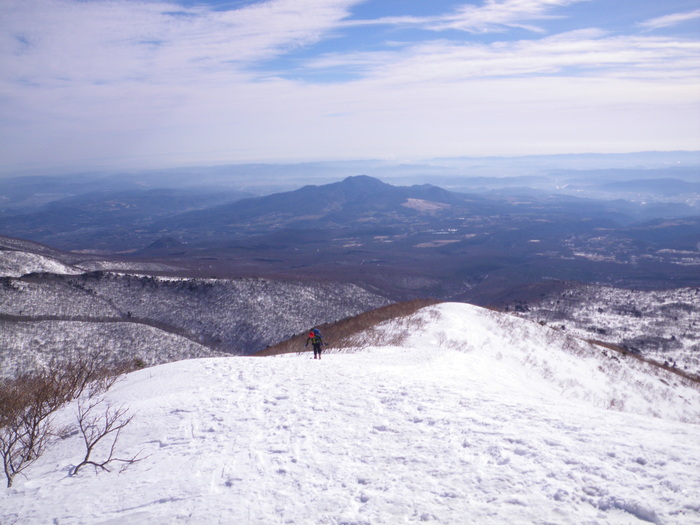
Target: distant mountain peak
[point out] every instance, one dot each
(165, 242)
(364, 181)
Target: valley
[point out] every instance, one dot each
(157, 319)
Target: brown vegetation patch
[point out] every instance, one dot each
(692, 377)
(345, 333)
(28, 404)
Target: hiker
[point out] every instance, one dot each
(316, 341)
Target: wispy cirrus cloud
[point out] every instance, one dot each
(670, 20)
(134, 79)
(591, 53)
(498, 15)
(113, 40)
(492, 16)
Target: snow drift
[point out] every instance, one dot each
(456, 415)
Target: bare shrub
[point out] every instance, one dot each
(26, 406)
(616, 403)
(691, 380)
(441, 339)
(89, 373)
(99, 420)
(458, 345)
(434, 315)
(29, 402)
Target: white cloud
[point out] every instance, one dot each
(497, 14)
(58, 41)
(491, 16)
(88, 81)
(670, 20)
(577, 53)
(114, 77)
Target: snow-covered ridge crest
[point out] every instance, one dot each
(436, 429)
(660, 324)
(17, 263)
(226, 315)
(520, 355)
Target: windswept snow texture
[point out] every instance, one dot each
(462, 424)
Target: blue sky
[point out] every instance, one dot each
(88, 84)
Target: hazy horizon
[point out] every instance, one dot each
(647, 164)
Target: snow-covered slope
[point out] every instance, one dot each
(514, 350)
(661, 324)
(464, 419)
(126, 266)
(29, 345)
(231, 315)
(16, 264)
(23, 245)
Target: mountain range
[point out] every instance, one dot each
(216, 274)
(55, 303)
(348, 246)
(403, 241)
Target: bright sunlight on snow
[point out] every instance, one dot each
(469, 417)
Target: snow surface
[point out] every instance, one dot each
(460, 424)
(16, 264)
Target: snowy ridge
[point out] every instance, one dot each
(124, 266)
(232, 315)
(459, 423)
(661, 324)
(16, 264)
(513, 351)
(23, 245)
